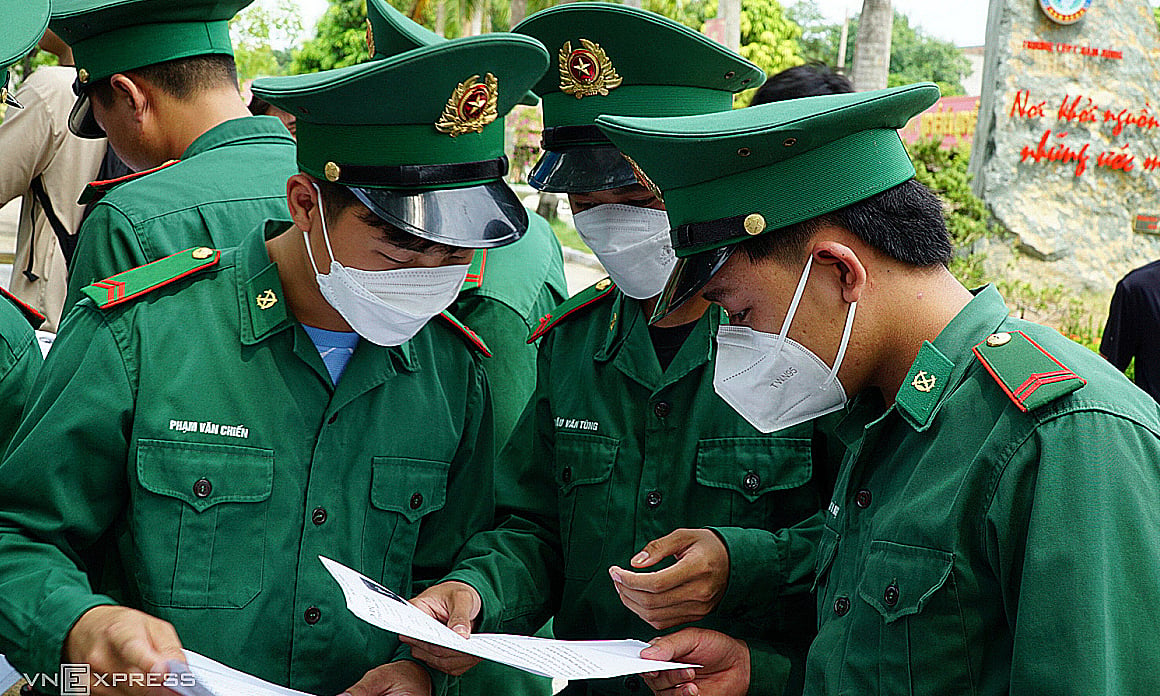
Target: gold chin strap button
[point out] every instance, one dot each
(202, 253)
(754, 224)
(998, 339)
(333, 172)
(83, 75)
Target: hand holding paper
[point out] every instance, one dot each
(456, 605)
(563, 659)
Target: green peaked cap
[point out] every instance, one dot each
(111, 36)
(390, 32)
(385, 112)
(631, 62)
(25, 22)
(760, 169)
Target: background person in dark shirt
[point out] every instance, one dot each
(1133, 323)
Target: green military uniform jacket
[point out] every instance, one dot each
(974, 547)
(229, 180)
(190, 452)
(20, 363)
(507, 290)
(610, 454)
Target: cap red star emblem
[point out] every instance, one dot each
(583, 66)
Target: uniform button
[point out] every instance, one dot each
(312, 615)
(318, 517)
(331, 420)
(662, 409)
(891, 595)
(632, 683)
(653, 499)
(202, 488)
(862, 498)
(752, 481)
(416, 501)
(842, 606)
(566, 475)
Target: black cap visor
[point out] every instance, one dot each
(581, 170)
(688, 278)
(81, 121)
(482, 216)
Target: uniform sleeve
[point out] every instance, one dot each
(28, 142)
(20, 362)
(107, 245)
(62, 484)
(511, 370)
(1073, 533)
(1120, 342)
(515, 567)
(771, 672)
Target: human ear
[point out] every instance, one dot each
(131, 95)
(845, 263)
(302, 200)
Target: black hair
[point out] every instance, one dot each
(337, 199)
(809, 80)
(258, 106)
(904, 222)
(180, 78)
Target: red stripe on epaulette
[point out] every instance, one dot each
(468, 333)
(116, 288)
(1035, 381)
(547, 322)
(130, 177)
(30, 313)
(477, 278)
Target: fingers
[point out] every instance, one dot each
(124, 643)
(671, 543)
(440, 658)
(669, 681)
(455, 604)
(664, 616)
(402, 678)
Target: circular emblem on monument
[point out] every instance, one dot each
(1065, 11)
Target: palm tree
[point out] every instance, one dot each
(872, 45)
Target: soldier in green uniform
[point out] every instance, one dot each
(994, 528)
(158, 77)
(209, 424)
(20, 357)
(507, 289)
(625, 441)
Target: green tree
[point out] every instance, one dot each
(257, 30)
(340, 39)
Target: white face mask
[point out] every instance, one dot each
(632, 243)
(773, 381)
(386, 307)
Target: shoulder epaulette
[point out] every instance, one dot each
(1027, 373)
(96, 189)
(125, 286)
(581, 300)
(34, 317)
(474, 277)
(470, 336)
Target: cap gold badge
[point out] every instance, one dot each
(603, 284)
(998, 339)
(923, 382)
(370, 38)
(83, 75)
(586, 71)
(332, 171)
(266, 299)
(471, 107)
(754, 224)
(202, 253)
(643, 178)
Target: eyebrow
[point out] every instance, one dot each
(714, 295)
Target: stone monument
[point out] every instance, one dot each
(1067, 150)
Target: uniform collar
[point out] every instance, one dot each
(941, 365)
(238, 130)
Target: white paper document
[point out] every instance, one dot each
(215, 679)
(8, 675)
(560, 659)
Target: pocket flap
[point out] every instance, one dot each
(584, 459)
(203, 474)
(753, 466)
(410, 487)
(899, 579)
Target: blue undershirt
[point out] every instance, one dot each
(335, 347)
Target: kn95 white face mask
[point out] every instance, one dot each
(632, 243)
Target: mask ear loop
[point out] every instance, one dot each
(793, 305)
(325, 233)
(846, 332)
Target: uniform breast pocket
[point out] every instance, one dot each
(765, 478)
(916, 618)
(403, 492)
(198, 523)
(583, 473)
